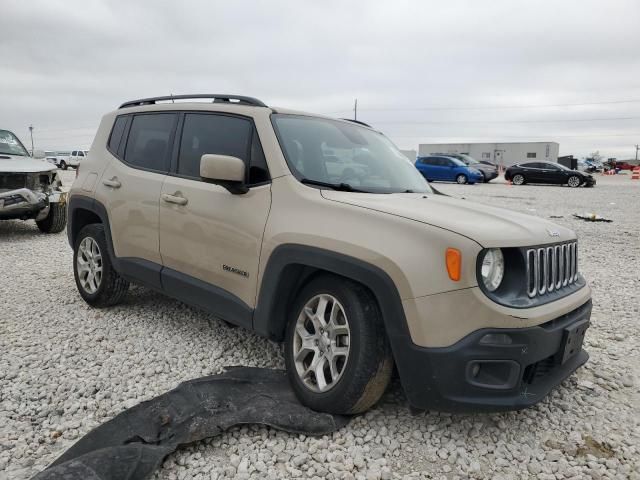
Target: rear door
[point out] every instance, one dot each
(130, 189)
(210, 239)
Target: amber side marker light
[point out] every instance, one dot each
(454, 263)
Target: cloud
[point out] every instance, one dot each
(65, 63)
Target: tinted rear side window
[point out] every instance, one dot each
(206, 133)
(149, 141)
(116, 134)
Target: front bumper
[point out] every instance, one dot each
(475, 376)
(490, 175)
(589, 182)
(25, 203)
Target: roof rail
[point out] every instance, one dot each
(216, 98)
(356, 121)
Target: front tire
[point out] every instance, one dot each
(337, 354)
(63, 165)
(55, 221)
(462, 179)
(574, 181)
(98, 283)
(518, 179)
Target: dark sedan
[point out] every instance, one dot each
(549, 173)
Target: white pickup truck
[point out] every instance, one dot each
(64, 160)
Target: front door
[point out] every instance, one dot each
(130, 189)
(210, 239)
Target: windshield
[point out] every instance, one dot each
(469, 160)
(10, 145)
(345, 156)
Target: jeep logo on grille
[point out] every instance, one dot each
(553, 233)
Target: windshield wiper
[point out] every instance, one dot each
(342, 187)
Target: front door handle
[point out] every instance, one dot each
(177, 198)
(113, 182)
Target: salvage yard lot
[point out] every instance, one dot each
(65, 368)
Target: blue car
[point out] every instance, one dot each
(447, 169)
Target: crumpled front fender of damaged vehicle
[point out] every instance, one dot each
(30, 200)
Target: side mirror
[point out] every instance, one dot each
(224, 170)
(39, 154)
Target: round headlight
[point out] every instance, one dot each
(492, 270)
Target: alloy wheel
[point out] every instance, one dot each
(574, 181)
(321, 343)
(518, 179)
(89, 265)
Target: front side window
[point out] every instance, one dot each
(223, 135)
(149, 142)
(369, 162)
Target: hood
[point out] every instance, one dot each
(488, 226)
(18, 164)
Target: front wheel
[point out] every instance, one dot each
(574, 181)
(462, 179)
(337, 353)
(63, 165)
(55, 221)
(518, 179)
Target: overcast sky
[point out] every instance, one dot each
(423, 71)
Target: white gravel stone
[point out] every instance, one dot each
(65, 368)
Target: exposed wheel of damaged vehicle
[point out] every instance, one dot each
(321, 234)
(98, 283)
(30, 188)
(56, 219)
(337, 354)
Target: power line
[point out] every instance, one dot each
(487, 107)
(429, 122)
(594, 135)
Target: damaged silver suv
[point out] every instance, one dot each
(30, 188)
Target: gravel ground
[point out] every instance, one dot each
(65, 368)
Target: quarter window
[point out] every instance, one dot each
(149, 141)
(116, 134)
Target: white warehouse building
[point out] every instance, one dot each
(504, 154)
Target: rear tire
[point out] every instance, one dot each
(55, 221)
(462, 179)
(110, 288)
(518, 179)
(351, 381)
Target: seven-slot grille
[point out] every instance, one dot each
(551, 268)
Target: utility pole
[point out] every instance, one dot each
(637, 148)
(355, 110)
(31, 132)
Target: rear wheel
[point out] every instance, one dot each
(518, 179)
(55, 221)
(462, 179)
(574, 181)
(337, 353)
(98, 283)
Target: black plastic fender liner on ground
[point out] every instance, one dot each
(134, 443)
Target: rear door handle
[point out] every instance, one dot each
(177, 198)
(113, 183)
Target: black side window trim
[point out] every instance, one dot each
(173, 164)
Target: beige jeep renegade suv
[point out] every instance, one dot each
(319, 233)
